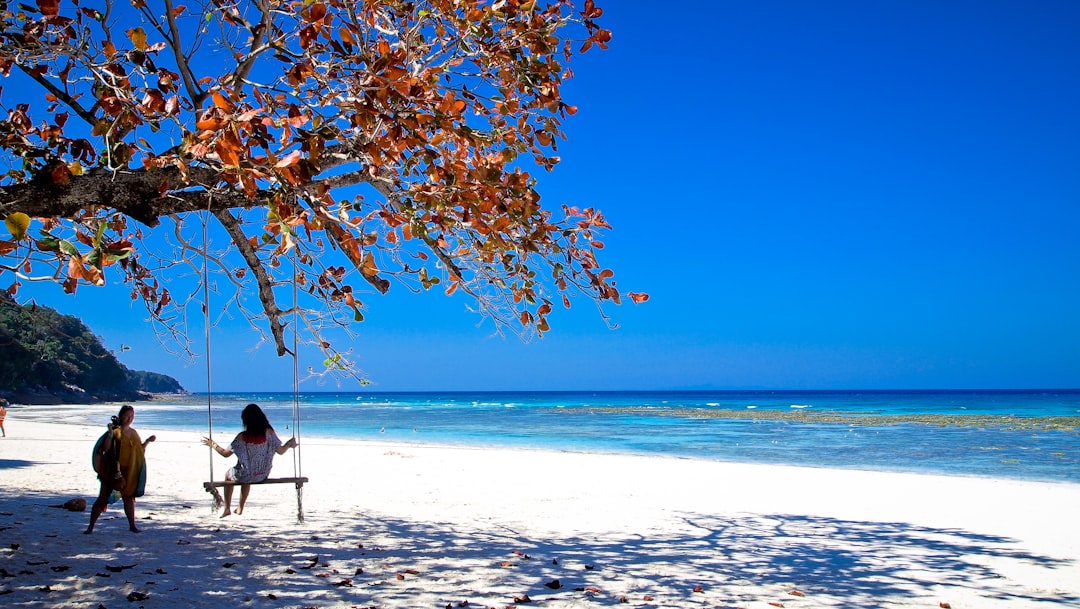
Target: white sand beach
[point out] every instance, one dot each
(396, 526)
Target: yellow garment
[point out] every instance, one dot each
(132, 461)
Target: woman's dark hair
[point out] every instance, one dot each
(255, 421)
(120, 415)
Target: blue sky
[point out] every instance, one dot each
(815, 195)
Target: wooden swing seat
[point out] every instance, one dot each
(297, 481)
(212, 488)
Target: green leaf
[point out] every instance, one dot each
(116, 255)
(69, 248)
(48, 243)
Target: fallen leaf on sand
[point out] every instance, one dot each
(118, 568)
(623, 599)
(521, 600)
(506, 563)
(345, 583)
(698, 589)
(522, 554)
(412, 571)
(775, 604)
(290, 570)
(553, 584)
(400, 576)
(590, 567)
(796, 593)
(648, 598)
(183, 542)
(34, 563)
(137, 596)
(944, 605)
(229, 565)
(592, 589)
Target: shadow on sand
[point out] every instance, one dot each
(186, 557)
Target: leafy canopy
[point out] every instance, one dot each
(330, 145)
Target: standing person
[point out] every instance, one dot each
(3, 415)
(254, 448)
(128, 476)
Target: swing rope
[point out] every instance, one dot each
(297, 469)
(218, 501)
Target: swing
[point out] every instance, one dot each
(297, 479)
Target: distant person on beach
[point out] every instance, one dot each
(254, 448)
(3, 415)
(120, 458)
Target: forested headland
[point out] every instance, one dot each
(49, 357)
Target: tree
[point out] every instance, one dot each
(331, 145)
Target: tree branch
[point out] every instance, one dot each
(266, 290)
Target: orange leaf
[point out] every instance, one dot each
(638, 298)
(291, 159)
(210, 124)
(138, 38)
(227, 154)
(698, 589)
(222, 102)
(368, 268)
(49, 8)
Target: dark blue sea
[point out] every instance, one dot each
(1022, 434)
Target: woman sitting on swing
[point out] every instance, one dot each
(254, 449)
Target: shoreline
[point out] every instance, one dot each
(488, 525)
(972, 464)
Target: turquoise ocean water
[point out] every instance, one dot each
(1016, 434)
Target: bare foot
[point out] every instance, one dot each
(88, 531)
(239, 511)
(225, 513)
(134, 529)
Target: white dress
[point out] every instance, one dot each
(254, 458)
